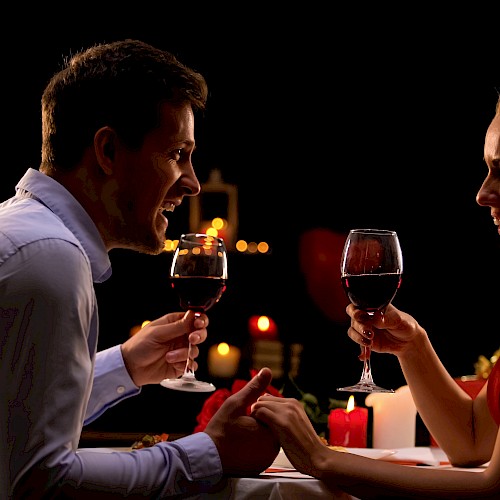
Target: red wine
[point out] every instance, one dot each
(198, 293)
(371, 292)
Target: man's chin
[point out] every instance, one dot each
(149, 246)
(155, 248)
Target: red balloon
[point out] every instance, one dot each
(320, 251)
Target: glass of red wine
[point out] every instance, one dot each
(198, 275)
(371, 270)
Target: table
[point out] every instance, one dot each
(276, 486)
(278, 483)
(292, 485)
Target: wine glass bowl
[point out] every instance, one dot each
(198, 275)
(371, 270)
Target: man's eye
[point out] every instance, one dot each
(177, 154)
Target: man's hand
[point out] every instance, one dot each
(159, 350)
(246, 446)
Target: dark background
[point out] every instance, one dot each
(322, 119)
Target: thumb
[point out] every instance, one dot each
(254, 388)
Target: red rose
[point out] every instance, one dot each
(210, 407)
(214, 402)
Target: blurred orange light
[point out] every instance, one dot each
(170, 245)
(241, 245)
(263, 247)
(252, 247)
(219, 223)
(137, 328)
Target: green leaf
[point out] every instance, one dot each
(336, 403)
(317, 414)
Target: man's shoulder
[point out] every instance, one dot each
(26, 221)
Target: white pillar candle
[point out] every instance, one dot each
(223, 360)
(394, 418)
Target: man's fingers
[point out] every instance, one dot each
(170, 318)
(174, 325)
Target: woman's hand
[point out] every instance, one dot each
(289, 421)
(392, 331)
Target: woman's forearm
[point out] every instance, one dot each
(370, 479)
(448, 412)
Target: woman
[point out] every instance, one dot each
(466, 429)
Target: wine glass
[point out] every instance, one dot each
(198, 275)
(371, 268)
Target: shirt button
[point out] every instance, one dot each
(120, 389)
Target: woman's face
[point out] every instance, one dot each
(489, 193)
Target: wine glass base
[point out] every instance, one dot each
(187, 384)
(364, 387)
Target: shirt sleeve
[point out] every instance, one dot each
(187, 466)
(112, 383)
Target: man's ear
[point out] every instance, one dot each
(105, 145)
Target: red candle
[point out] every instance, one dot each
(348, 427)
(262, 328)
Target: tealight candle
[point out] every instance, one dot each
(223, 360)
(348, 427)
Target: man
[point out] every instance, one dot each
(117, 142)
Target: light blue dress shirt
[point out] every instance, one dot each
(51, 377)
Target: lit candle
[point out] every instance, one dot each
(394, 418)
(348, 427)
(262, 328)
(223, 360)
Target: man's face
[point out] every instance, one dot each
(152, 180)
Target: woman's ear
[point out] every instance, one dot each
(104, 145)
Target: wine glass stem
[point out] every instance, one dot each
(188, 370)
(366, 376)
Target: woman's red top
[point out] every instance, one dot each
(493, 393)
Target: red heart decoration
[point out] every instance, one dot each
(320, 251)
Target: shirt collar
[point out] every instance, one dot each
(60, 201)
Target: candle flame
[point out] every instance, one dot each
(350, 404)
(223, 349)
(263, 323)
